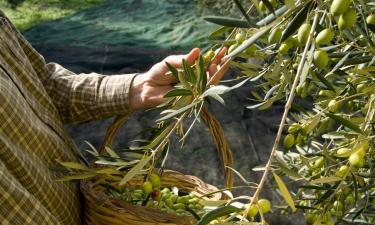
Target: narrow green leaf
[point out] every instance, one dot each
(324, 81)
(324, 180)
(218, 98)
(261, 106)
(178, 92)
(202, 75)
(77, 176)
(228, 21)
(74, 165)
(284, 191)
(243, 11)
(345, 122)
(218, 32)
(191, 76)
(216, 213)
(156, 140)
(271, 17)
(314, 122)
(296, 22)
(111, 163)
(268, 6)
(340, 63)
(183, 80)
(111, 152)
(107, 171)
(359, 60)
(177, 112)
(173, 70)
(221, 89)
(135, 170)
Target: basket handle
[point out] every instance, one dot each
(216, 130)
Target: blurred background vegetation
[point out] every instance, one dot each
(27, 13)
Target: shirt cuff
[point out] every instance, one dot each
(115, 96)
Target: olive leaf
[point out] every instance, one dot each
(284, 191)
(219, 32)
(135, 170)
(74, 165)
(216, 213)
(345, 122)
(243, 11)
(178, 92)
(173, 70)
(271, 17)
(228, 21)
(296, 22)
(190, 74)
(269, 6)
(80, 176)
(323, 180)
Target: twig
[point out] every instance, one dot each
(284, 117)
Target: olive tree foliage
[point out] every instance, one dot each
(318, 58)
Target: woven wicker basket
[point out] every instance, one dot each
(101, 209)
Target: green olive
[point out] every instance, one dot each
(208, 56)
(289, 141)
(232, 48)
(320, 59)
(147, 187)
(275, 36)
(253, 211)
(294, 128)
(178, 206)
(284, 47)
(240, 37)
(303, 33)
(356, 160)
(169, 202)
(318, 163)
(310, 218)
(350, 200)
(343, 152)
(342, 171)
(338, 7)
(324, 37)
(333, 106)
(155, 180)
(264, 205)
(370, 19)
(173, 198)
(347, 20)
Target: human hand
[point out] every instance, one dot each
(148, 89)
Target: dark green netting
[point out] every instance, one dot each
(171, 24)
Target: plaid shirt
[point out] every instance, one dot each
(36, 99)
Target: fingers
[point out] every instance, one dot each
(176, 60)
(217, 73)
(220, 53)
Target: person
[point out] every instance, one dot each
(36, 100)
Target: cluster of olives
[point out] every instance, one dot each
(167, 200)
(263, 204)
(297, 135)
(339, 207)
(239, 38)
(357, 158)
